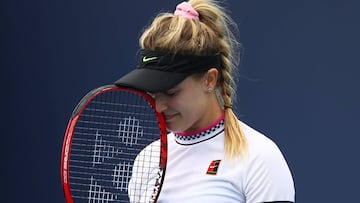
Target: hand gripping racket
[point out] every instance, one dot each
(114, 149)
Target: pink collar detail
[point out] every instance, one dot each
(201, 130)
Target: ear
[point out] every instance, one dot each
(211, 78)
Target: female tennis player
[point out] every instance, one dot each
(188, 61)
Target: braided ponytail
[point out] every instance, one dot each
(235, 141)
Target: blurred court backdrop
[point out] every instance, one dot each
(299, 85)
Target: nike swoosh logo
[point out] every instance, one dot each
(146, 59)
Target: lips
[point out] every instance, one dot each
(169, 117)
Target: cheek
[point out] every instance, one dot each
(178, 104)
(189, 104)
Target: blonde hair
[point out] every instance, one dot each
(212, 33)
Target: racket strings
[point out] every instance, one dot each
(111, 131)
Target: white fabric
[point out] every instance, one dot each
(263, 176)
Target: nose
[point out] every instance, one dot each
(160, 103)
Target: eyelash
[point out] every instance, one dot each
(170, 94)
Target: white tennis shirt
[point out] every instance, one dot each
(197, 170)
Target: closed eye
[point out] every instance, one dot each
(171, 93)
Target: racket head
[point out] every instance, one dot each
(108, 128)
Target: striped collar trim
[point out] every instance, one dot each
(201, 136)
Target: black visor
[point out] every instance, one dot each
(159, 71)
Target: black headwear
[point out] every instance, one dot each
(159, 71)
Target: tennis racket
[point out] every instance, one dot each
(114, 149)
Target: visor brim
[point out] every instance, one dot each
(150, 80)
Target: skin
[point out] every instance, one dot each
(189, 106)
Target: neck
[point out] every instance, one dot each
(211, 125)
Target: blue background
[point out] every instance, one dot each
(299, 84)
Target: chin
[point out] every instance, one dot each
(173, 128)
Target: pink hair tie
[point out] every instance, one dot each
(185, 10)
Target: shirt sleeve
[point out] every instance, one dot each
(268, 176)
